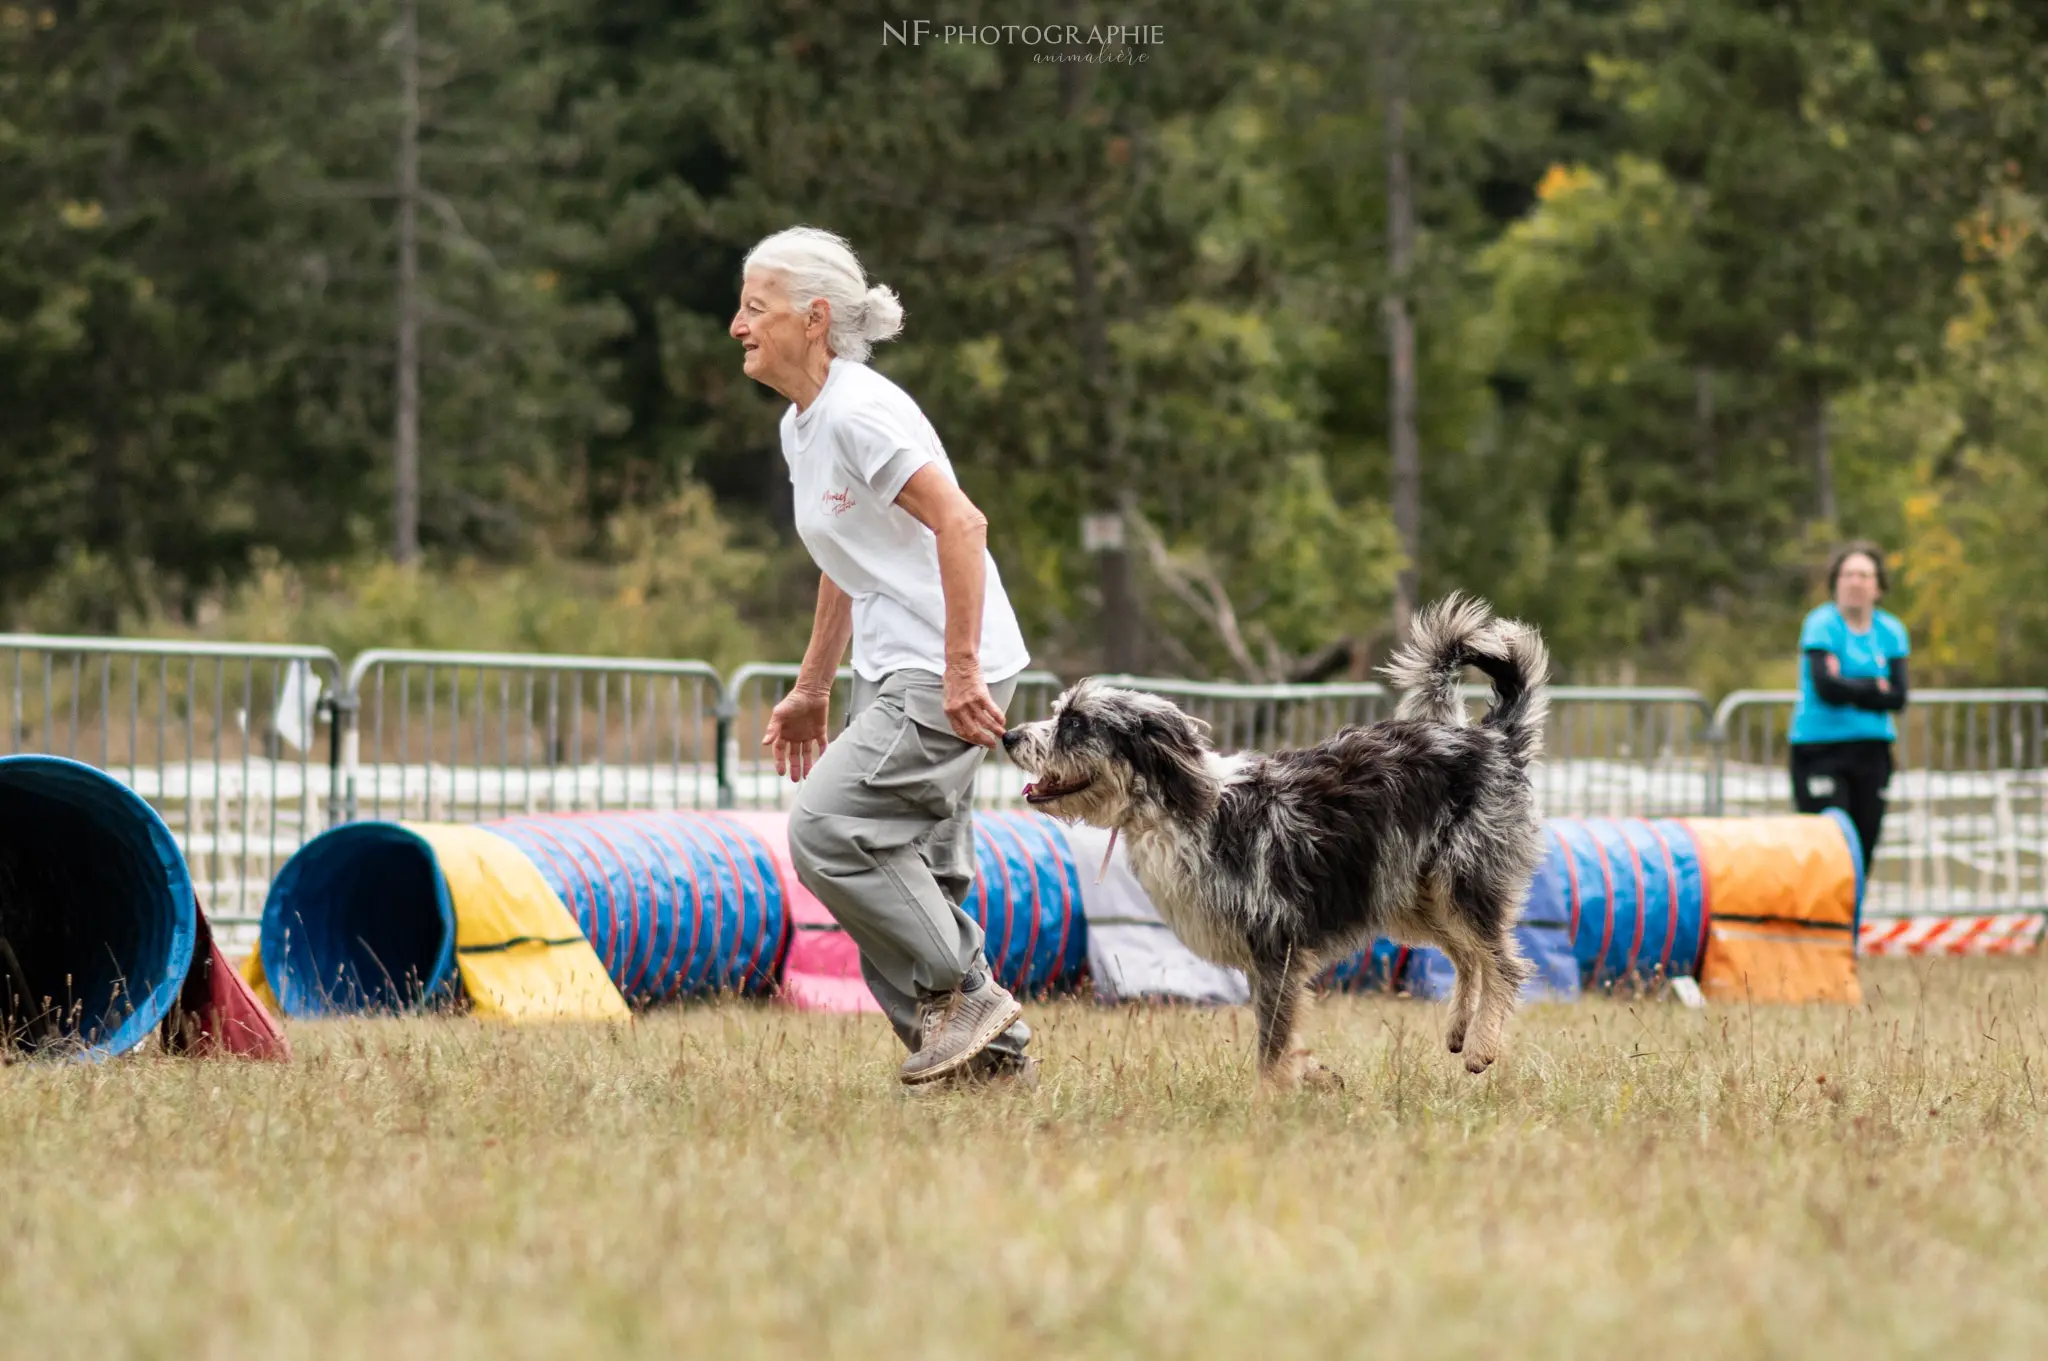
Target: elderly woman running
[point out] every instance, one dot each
(882, 832)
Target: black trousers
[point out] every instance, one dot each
(1850, 776)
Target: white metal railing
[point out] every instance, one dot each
(1966, 824)
(224, 740)
(249, 750)
(464, 736)
(1609, 752)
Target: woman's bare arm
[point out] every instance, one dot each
(831, 631)
(962, 531)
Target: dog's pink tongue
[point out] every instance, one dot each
(1030, 788)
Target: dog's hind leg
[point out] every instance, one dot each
(1501, 980)
(1439, 921)
(1465, 993)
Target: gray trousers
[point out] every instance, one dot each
(883, 834)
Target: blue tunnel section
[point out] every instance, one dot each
(675, 904)
(97, 915)
(1427, 972)
(1855, 840)
(1027, 898)
(1635, 891)
(359, 920)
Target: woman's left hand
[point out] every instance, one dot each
(970, 708)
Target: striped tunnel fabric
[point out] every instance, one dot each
(96, 910)
(1635, 896)
(1027, 897)
(675, 904)
(1381, 967)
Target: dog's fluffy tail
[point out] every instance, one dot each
(1459, 631)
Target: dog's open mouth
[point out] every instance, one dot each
(1045, 791)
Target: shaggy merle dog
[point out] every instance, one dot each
(1421, 828)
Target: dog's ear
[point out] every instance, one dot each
(1166, 752)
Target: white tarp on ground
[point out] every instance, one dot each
(1132, 954)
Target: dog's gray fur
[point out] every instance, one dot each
(1421, 828)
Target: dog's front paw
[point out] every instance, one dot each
(1480, 1058)
(1454, 1037)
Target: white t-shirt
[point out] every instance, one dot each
(849, 455)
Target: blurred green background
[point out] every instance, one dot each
(1695, 290)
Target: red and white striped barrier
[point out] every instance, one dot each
(1984, 933)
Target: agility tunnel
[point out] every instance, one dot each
(575, 915)
(1765, 908)
(1421, 971)
(1633, 893)
(542, 917)
(102, 940)
(1027, 897)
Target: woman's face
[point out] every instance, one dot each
(773, 337)
(1856, 583)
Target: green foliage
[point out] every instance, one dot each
(1952, 468)
(1310, 568)
(195, 282)
(1698, 289)
(676, 581)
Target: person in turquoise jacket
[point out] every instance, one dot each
(1852, 680)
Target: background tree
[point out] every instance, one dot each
(1688, 291)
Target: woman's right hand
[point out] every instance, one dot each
(797, 732)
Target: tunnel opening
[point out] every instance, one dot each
(359, 920)
(97, 914)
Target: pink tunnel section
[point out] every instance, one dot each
(822, 969)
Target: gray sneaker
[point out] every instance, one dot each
(957, 1026)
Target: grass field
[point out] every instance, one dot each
(739, 1181)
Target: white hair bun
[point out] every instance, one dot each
(881, 313)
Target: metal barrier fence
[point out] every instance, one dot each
(1642, 752)
(466, 736)
(248, 751)
(748, 771)
(222, 739)
(1263, 717)
(1966, 823)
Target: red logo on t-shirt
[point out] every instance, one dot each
(839, 502)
